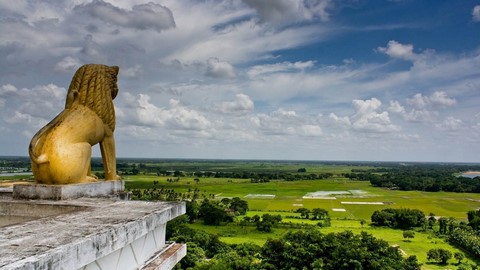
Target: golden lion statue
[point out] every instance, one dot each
(61, 151)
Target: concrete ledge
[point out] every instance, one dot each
(166, 259)
(65, 192)
(6, 193)
(103, 231)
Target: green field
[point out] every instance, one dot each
(289, 196)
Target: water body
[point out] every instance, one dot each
(470, 175)
(16, 173)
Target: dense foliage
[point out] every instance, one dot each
(425, 178)
(399, 218)
(305, 249)
(466, 239)
(310, 249)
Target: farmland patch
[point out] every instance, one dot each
(260, 196)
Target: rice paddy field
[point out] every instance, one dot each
(347, 201)
(344, 199)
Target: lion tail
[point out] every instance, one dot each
(36, 144)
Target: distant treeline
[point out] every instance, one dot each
(424, 178)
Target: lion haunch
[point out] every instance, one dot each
(61, 151)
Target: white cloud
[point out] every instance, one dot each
(396, 107)
(68, 64)
(395, 49)
(310, 130)
(440, 98)
(132, 72)
(177, 117)
(418, 101)
(476, 13)
(242, 105)
(142, 17)
(423, 108)
(30, 108)
(366, 118)
(345, 121)
(279, 122)
(6, 89)
(280, 12)
(219, 69)
(437, 99)
(279, 67)
(450, 124)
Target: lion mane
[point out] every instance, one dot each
(95, 86)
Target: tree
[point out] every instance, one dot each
(194, 255)
(310, 249)
(459, 257)
(442, 223)
(319, 213)
(267, 222)
(212, 213)
(363, 222)
(439, 254)
(304, 212)
(474, 219)
(239, 205)
(431, 220)
(408, 235)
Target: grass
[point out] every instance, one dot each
(287, 194)
(288, 198)
(418, 246)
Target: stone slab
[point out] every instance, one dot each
(73, 240)
(66, 192)
(6, 193)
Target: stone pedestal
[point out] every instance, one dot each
(65, 192)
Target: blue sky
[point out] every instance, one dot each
(284, 79)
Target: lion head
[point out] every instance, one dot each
(95, 86)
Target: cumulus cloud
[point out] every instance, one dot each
(437, 99)
(241, 105)
(476, 13)
(23, 107)
(142, 17)
(396, 107)
(440, 98)
(395, 49)
(367, 117)
(279, 122)
(450, 124)
(310, 130)
(177, 117)
(132, 72)
(344, 121)
(68, 64)
(422, 108)
(219, 69)
(290, 11)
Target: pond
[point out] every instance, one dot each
(471, 174)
